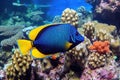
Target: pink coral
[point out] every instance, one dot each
(104, 73)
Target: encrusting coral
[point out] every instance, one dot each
(70, 16)
(20, 66)
(100, 47)
(108, 72)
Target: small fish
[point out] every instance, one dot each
(49, 39)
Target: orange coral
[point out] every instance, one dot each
(100, 47)
(54, 57)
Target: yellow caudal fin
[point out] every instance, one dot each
(37, 54)
(33, 33)
(24, 46)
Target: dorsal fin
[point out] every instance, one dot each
(33, 33)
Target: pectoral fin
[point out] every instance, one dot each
(68, 45)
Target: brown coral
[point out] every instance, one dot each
(78, 54)
(20, 64)
(96, 60)
(99, 31)
(89, 30)
(70, 16)
(102, 35)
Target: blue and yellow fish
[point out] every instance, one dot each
(50, 39)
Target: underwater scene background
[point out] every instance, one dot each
(96, 58)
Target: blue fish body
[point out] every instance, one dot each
(54, 38)
(50, 39)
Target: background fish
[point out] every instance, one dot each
(50, 39)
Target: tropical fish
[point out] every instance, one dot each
(49, 39)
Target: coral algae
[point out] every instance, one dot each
(100, 46)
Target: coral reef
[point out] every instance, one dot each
(4, 58)
(70, 16)
(89, 30)
(100, 47)
(84, 15)
(96, 60)
(57, 19)
(108, 72)
(9, 35)
(106, 11)
(45, 70)
(3, 75)
(10, 42)
(20, 67)
(74, 17)
(92, 59)
(35, 16)
(8, 31)
(78, 54)
(98, 31)
(27, 18)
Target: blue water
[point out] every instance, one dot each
(57, 6)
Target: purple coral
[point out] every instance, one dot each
(108, 72)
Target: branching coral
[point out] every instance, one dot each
(20, 66)
(10, 42)
(70, 16)
(8, 31)
(9, 35)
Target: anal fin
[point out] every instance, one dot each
(37, 54)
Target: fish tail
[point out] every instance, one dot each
(24, 45)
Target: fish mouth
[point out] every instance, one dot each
(80, 39)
